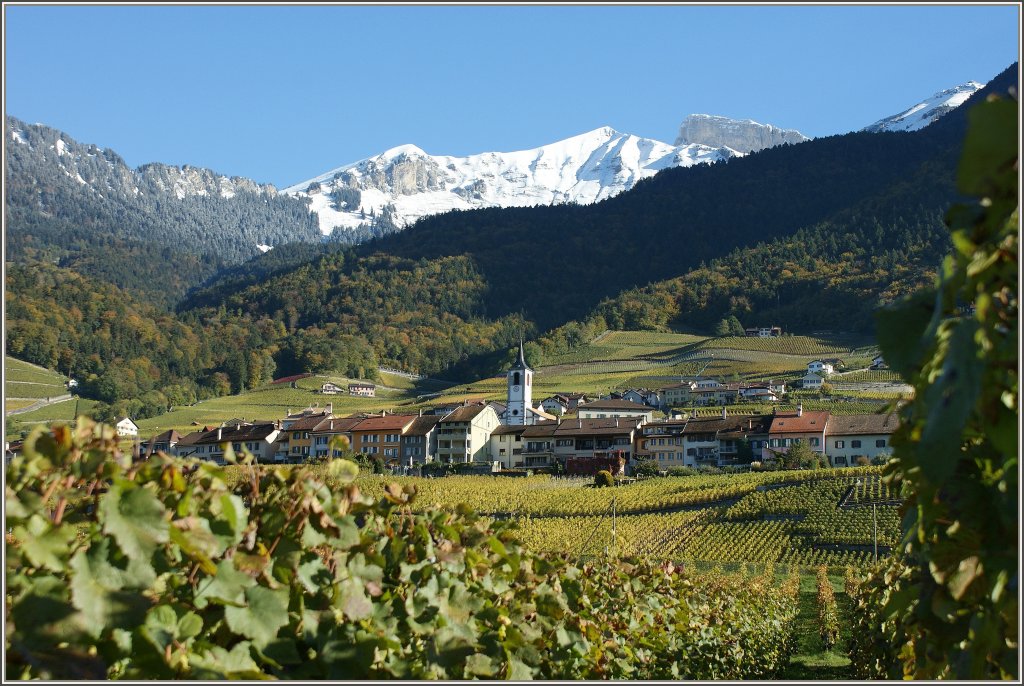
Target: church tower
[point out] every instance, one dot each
(520, 391)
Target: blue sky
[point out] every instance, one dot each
(283, 93)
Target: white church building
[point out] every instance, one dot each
(520, 410)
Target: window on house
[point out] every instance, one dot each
(815, 441)
(854, 444)
(880, 443)
(840, 444)
(692, 452)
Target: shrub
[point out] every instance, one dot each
(603, 478)
(646, 468)
(681, 471)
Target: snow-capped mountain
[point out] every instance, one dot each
(924, 113)
(744, 135)
(406, 183)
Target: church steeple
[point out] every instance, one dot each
(520, 391)
(521, 361)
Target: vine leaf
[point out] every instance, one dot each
(265, 612)
(136, 519)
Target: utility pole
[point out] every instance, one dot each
(874, 529)
(614, 548)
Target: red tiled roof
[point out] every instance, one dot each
(391, 422)
(336, 424)
(790, 423)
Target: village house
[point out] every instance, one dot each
(584, 438)
(538, 444)
(506, 445)
(419, 442)
(820, 367)
(556, 405)
(126, 428)
(382, 435)
(641, 396)
(604, 409)
(718, 394)
(754, 429)
(186, 445)
(162, 442)
(330, 388)
(363, 389)
(855, 436)
(879, 363)
(311, 411)
(678, 394)
(662, 442)
(811, 381)
(326, 430)
(586, 446)
(763, 331)
(464, 434)
(758, 393)
(258, 438)
(788, 428)
(300, 436)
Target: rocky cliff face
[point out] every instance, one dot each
(741, 135)
(186, 181)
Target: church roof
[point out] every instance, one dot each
(521, 361)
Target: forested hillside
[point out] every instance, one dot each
(156, 230)
(812, 236)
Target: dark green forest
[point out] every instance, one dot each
(811, 236)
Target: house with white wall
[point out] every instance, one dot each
(464, 435)
(855, 436)
(126, 428)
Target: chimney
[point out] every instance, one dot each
(616, 422)
(219, 430)
(724, 413)
(421, 411)
(800, 410)
(383, 413)
(579, 423)
(330, 408)
(332, 425)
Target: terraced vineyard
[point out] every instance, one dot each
(786, 345)
(626, 345)
(25, 383)
(870, 375)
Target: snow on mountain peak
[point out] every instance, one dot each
(924, 113)
(405, 183)
(408, 150)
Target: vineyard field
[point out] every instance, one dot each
(792, 517)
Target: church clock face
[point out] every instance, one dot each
(515, 389)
